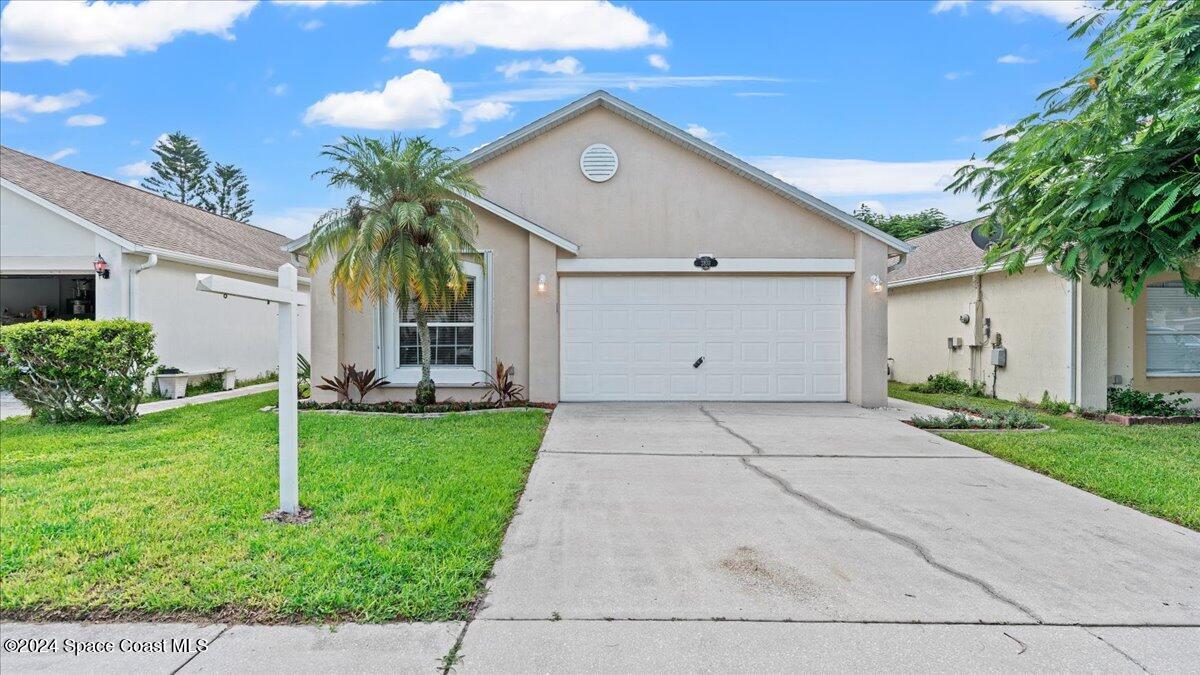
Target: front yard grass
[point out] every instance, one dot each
(1155, 469)
(163, 518)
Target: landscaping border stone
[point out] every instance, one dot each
(1133, 420)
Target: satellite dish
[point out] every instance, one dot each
(985, 241)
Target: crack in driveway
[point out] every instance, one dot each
(867, 526)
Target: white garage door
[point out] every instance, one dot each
(780, 338)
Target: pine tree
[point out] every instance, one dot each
(227, 193)
(179, 170)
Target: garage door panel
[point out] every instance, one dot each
(762, 338)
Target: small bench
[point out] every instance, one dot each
(174, 385)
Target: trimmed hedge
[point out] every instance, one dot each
(74, 370)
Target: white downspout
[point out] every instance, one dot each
(1072, 365)
(151, 261)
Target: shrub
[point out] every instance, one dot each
(1047, 404)
(73, 370)
(949, 383)
(1013, 418)
(500, 384)
(1129, 401)
(363, 380)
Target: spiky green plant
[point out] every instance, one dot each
(403, 232)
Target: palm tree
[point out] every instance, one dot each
(402, 234)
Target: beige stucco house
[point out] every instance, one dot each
(597, 229)
(1069, 339)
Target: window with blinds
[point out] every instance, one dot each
(451, 333)
(1172, 330)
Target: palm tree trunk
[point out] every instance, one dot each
(426, 391)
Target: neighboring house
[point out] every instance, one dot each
(55, 223)
(1071, 340)
(594, 221)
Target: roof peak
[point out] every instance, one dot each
(681, 137)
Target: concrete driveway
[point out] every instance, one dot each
(736, 537)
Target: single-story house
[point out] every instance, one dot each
(57, 224)
(625, 259)
(1069, 339)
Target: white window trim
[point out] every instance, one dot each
(457, 376)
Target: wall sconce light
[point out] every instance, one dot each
(876, 283)
(101, 266)
(541, 283)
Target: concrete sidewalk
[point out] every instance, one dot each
(219, 648)
(11, 407)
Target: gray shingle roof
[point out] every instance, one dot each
(144, 218)
(941, 252)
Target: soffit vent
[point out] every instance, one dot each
(598, 162)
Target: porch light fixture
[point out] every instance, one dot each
(876, 283)
(101, 266)
(541, 283)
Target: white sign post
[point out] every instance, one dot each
(289, 300)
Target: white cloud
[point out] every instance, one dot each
(63, 31)
(700, 132)
(567, 65)
(947, 5)
(65, 152)
(85, 121)
(658, 61)
(993, 131)
(314, 4)
(526, 26)
(135, 170)
(293, 222)
(1063, 11)
(1014, 59)
(418, 100)
(423, 54)
(858, 177)
(757, 94)
(887, 187)
(311, 24)
(279, 89)
(560, 88)
(17, 106)
(484, 111)
(957, 75)
(161, 139)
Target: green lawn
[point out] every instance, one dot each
(1151, 468)
(162, 518)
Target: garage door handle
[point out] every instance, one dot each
(698, 362)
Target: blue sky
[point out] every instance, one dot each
(852, 101)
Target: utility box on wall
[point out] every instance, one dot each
(999, 357)
(972, 319)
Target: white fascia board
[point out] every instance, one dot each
(295, 245)
(213, 283)
(707, 150)
(523, 223)
(201, 261)
(688, 266)
(73, 217)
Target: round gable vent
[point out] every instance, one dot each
(598, 162)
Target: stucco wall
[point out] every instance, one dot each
(1028, 310)
(200, 331)
(664, 201)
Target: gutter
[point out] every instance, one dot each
(134, 296)
(899, 264)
